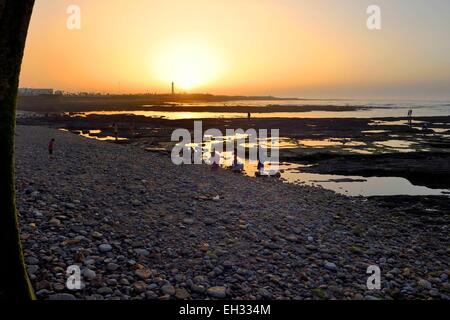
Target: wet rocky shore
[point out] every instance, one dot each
(140, 227)
(385, 147)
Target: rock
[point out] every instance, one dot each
(89, 274)
(140, 286)
(104, 248)
(142, 252)
(151, 295)
(136, 202)
(143, 273)
(188, 221)
(358, 296)
(217, 292)
(434, 293)
(42, 292)
(317, 292)
(38, 214)
(32, 269)
(35, 194)
(105, 290)
(264, 293)
(292, 237)
(198, 288)
(330, 266)
(97, 235)
(422, 283)
(59, 287)
(112, 266)
(111, 282)
(168, 289)
(44, 284)
(31, 260)
(62, 296)
(182, 294)
(69, 206)
(55, 222)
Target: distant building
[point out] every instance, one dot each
(34, 92)
(173, 88)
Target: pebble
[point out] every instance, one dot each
(330, 266)
(89, 274)
(217, 292)
(168, 289)
(105, 248)
(112, 266)
(142, 252)
(55, 222)
(140, 286)
(143, 273)
(182, 294)
(105, 290)
(31, 260)
(422, 283)
(32, 269)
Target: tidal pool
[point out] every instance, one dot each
(395, 144)
(359, 186)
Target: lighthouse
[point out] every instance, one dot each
(173, 88)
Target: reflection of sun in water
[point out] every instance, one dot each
(189, 64)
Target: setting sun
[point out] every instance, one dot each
(188, 63)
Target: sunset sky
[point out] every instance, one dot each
(301, 48)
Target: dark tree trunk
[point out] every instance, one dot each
(14, 20)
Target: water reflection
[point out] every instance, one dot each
(396, 144)
(95, 134)
(371, 110)
(331, 142)
(347, 185)
(359, 186)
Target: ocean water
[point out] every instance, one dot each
(373, 109)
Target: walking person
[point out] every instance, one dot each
(236, 166)
(260, 168)
(116, 131)
(214, 160)
(410, 112)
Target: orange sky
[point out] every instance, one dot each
(285, 47)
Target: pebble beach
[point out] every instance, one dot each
(139, 227)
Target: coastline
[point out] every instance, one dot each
(168, 238)
(385, 147)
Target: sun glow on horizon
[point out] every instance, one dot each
(188, 63)
(287, 48)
